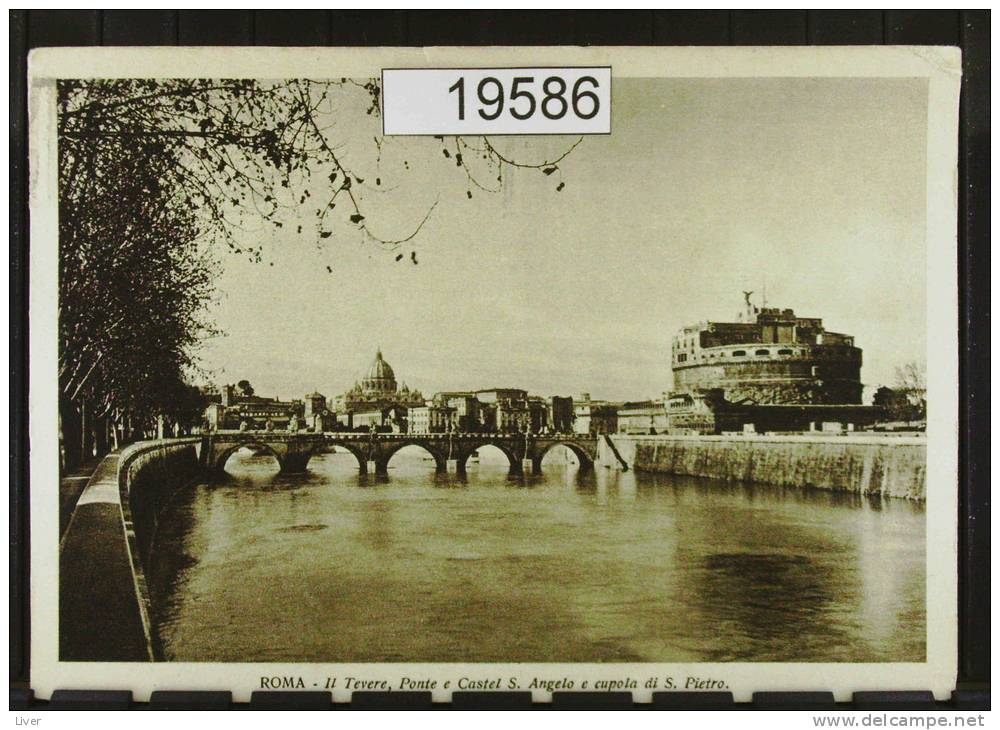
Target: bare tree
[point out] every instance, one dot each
(150, 171)
(910, 377)
(133, 289)
(247, 148)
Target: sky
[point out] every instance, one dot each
(812, 189)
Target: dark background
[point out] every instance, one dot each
(968, 29)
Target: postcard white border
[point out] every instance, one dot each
(940, 65)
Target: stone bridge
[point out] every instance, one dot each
(293, 450)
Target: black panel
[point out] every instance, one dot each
(140, 27)
(390, 700)
(491, 700)
(919, 27)
(691, 27)
(18, 323)
(216, 28)
(291, 27)
(20, 699)
(167, 700)
(793, 700)
(476, 27)
(845, 27)
(971, 699)
(368, 28)
(591, 700)
(769, 27)
(974, 349)
(85, 699)
(693, 700)
(291, 700)
(531, 28)
(450, 28)
(894, 701)
(64, 28)
(613, 27)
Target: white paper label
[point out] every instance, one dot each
(469, 101)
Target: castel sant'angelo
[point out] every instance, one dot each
(768, 355)
(771, 367)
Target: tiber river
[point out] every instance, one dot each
(332, 566)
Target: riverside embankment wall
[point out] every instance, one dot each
(103, 600)
(891, 466)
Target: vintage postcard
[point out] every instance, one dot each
(460, 369)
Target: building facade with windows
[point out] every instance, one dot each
(768, 356)
(236, 410)
(594, 417)
(430, 418)
(465, 410)
(642, 417)
(561, 414)
(769, 371)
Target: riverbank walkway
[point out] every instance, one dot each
(71, 486)
(99, 618)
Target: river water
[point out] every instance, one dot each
(333, 566)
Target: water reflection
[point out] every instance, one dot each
(333, 565)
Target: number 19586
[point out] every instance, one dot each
(553, 101)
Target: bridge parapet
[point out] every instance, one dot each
(293, 450)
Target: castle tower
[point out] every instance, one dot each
(768, 357)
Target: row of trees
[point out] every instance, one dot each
(156, 178)
(133, 287)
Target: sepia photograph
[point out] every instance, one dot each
(660, 396)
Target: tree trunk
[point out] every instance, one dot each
(70, 433)
(115, 428)
(87, 431)
(101, 436)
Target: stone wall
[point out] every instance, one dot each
(888, 466)
(149, 474)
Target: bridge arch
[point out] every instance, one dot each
(462, 458)
(224, 455)
(390, 450)
(359, 454)
(585, 459)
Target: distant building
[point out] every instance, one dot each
(238, 410)
(511, 410)
(538, 414)
(431, 419)
(392, 419)
(497, 395)
(316, 415)
(643, 417)
(908, 405)
(768, 371)
(594, 417)
(512, 416)
(314, 403)
(322, 422)
(561, 414)
(504, 410)
(376, 400)
(465, 410)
